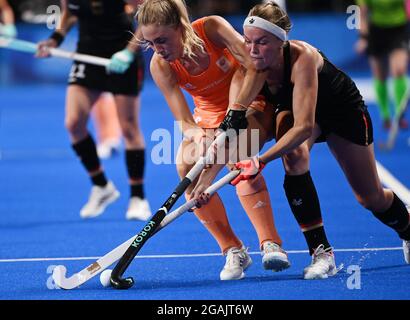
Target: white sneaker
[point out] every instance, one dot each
(237, 261)
(107, 148)
(322, 266)
(100, 198)
(274, 257)
(406, 250)
(138, 209)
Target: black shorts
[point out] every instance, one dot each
(96, 78)
(382, 41)
(355, 126)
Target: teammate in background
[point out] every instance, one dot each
(7, 27)
(105, 30)
(202, 58)
(105, 119)
(384, 37)
(316, 102)
(107, 126)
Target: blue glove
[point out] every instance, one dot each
(8, 30)
(120, 61)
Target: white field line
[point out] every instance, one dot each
(391, 182)
(194, 255)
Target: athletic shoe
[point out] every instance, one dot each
(274, 257)
(237, 261)
(100, 198)
(138, 209)
(322, 266)
(406, 250)
(108, 148)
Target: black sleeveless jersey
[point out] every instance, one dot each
(104, 27)
(336, 91)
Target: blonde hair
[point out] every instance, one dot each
(171, 13)
(272, 12)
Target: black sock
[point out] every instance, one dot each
(304, 203)
(316, 237)
(137, 190)
(87, 152)
(99, 179)
(135, 161)
(396, 217)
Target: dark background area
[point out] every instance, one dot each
(25, 9)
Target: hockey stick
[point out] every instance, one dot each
(59, 272)
(30, 47)
(116, 276)
(394, 130)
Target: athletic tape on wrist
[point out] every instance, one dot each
(254, 21)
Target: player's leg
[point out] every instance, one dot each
(380, 75)
(213, 217)
(359, 166)
(107, 127)
(254, 195)
(398, 62)
(128, 107)
(78, 106)
(304, 202)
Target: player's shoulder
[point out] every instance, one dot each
(303, 53)
(213, 21)
(161, 70)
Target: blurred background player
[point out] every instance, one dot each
(200, 58)
(315, 102)
(7, 27)
(384, 37)
(105, 118)
(105, 30)
(107, 126)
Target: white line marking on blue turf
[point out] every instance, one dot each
(391, 182)
(193, 255)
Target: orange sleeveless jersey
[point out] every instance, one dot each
(210, 89)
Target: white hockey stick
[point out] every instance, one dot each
(59, 272)
(394, 130)
(31, 47)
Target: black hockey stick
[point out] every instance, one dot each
(150, 228)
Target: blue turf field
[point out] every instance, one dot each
(43, 186)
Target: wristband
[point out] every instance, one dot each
(57, 37)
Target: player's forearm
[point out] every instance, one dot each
(66, 22)
(208, 175)
(7, 15)
(252, 84)
(289, 141)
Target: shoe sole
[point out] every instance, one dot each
(318, 276)
(107, 202)
(229, 279)
(276, 263)
(136, 217)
